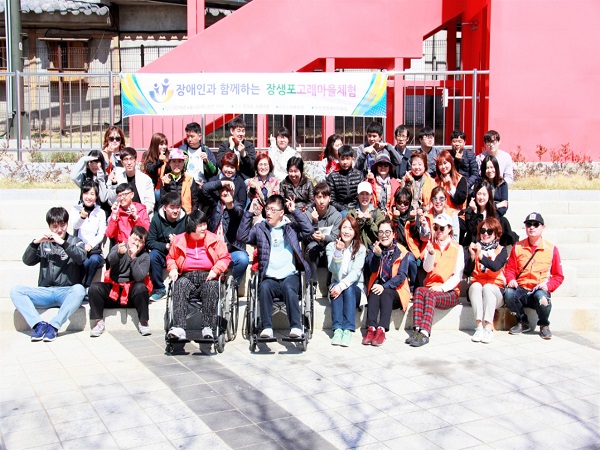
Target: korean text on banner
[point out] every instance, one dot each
(327, 94)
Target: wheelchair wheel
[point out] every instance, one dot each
(252, 343)
(305, 343)
(220, 343)
(234, 316)
(169, 349)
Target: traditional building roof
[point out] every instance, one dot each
(86, 7)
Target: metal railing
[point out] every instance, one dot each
(70, 111)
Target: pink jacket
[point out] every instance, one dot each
(216, 250)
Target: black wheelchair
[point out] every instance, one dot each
(252, 325)
(226, 321)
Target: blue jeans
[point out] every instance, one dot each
(90, 267)
(239, 260)
(157, 204)
(518, 299)
(287, 290)
(158, 262)
(67, 298)
(343, 308)
(412, 270)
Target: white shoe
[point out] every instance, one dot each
(98, 329)
(295, 333)
(267, 333)
(177, 333)
(488, 336)
(207, 333)
(145, 329)
(479, 331)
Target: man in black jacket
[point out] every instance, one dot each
(243, 148)
(61, 258)
(464, 160)
(344, 182)
(168, 223)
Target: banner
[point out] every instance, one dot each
(310, 93)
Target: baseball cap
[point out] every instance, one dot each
(534, 217)
(364, 186)
(442, 220)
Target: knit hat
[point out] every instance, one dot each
(177, 153)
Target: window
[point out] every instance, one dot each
(68, 54)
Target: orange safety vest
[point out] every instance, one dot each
(443, 267)
(538, 270)
(415, 245)
(489, 277)
(403, 290)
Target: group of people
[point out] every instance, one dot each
(390, 224)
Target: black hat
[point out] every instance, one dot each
(534, 217)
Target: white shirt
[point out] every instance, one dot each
(505, 164)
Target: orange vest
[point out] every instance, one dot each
(538, 270)
(415, 245)
(403, 290)
(449, 202)
(186, 193)
(443, 267)
(428, 186)
(489, 277)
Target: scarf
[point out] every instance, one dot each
(417, 194)
(486, 248)
(385, 185)
(387, 262)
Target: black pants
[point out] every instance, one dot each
(380, 307)
(191, 284)
(139, 298)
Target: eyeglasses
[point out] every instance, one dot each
(114, 138)
(403, 203)
(487, 231)
(272, 210)
(437, 227)
(401, 136)
(529, 224)
(385, 233)
(123, 194)
(439, 199)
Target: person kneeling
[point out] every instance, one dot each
(126, 284)
(278, 241)
(195, 261)
(444, 263)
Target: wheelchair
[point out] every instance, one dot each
(227, 317)
(252, 323)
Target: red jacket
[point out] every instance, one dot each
(216, 250)
(120, 229)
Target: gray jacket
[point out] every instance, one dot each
(332, 218)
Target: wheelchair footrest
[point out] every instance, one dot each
(206, 340)
(262, 339)
(177, 341)
(291, 339)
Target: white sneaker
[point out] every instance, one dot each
(98, 329)
(145, 329)
(177, 333)
(488, 336)
(479, 332)
(267, 333)
(295, 333)
(207, 333)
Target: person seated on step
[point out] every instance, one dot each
(344, 182)
(533, 272)
(126, 284)
(388, 286)
(180, 182)
(195, 261)
(60, 256)
(485, 265)
(367, 153)
(141, 184)
(444, 263)
(278, 241)
(243, 148)
(165, 225)
(366, 214)
(326, 222)
(125, 215)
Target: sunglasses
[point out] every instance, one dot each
(439, 227)
(403, 203)
(487, 231)
(439, 199)
(532, 224)
(114, 138)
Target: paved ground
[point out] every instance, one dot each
(121, 391)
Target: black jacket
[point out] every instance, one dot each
(303, 194)
(344, 186)
(161, 228)
(230, 218)
(467, 167)
(246, 163)
(60, 265)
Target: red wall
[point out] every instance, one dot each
(545, 74)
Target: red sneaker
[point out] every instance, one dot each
(379, 337)
(368, 339)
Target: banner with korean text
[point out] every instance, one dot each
(310, 93)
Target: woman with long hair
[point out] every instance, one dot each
(330, 159)
(113, 144)
(346, 259)
(155, 163)
(490, 173)
(92, 169)
(453, 183)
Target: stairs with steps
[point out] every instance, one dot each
(572, 223)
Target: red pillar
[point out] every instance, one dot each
(328, 121)
(195, 17)
(395, 103)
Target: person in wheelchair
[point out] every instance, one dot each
(195, 261)
(278, 241)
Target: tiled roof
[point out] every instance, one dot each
(86, 7)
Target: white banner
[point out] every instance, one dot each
(300, 93)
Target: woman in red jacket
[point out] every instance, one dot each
(195, 261)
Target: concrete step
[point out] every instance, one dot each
(582, 314)
(13, 242)
(588, 288)
(578, 252)
(552, 195)
(30, 206)
(586, 268)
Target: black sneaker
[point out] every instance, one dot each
(419, 340)
(545, 332)
(38, 331)
(409, 339)
(521, 327)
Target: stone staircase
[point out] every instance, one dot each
(572, 223)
